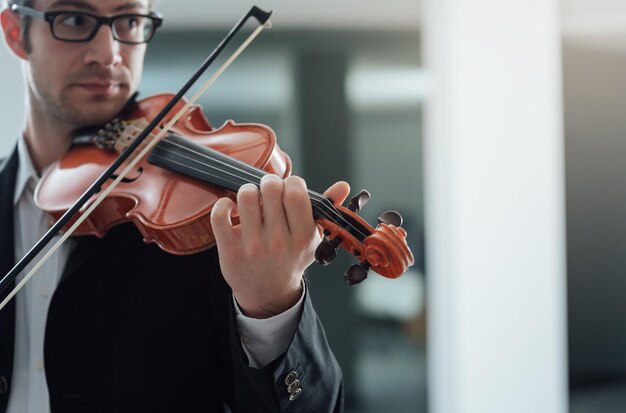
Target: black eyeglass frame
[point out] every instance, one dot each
(50, 16)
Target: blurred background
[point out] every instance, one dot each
(370, 92)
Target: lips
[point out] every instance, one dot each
(99, 87)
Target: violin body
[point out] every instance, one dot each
(169, 209)
(170, 194)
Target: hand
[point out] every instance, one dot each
(264, 257)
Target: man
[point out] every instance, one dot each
(130, 328)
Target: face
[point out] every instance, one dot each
(82, 84)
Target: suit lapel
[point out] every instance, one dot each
(8, 173)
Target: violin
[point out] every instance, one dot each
(170, 193)
(169, 167)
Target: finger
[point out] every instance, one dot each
(338, 192)
(274, 218)
(298, 208)
(249, 206)
(225, 233)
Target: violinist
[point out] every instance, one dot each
(116, 325)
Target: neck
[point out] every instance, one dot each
(47, 138)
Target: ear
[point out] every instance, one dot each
(13, 33)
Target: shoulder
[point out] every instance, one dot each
(8, 158)
(8, 162)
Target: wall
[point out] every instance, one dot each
(11, 100)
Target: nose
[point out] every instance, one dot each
(103, 49)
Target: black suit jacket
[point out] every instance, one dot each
(133, 329)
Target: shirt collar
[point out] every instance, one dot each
(25, 170)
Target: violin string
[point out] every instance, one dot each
(241, 181)
(239, 166)
(85, 213)
(320, 203)
(236, 165)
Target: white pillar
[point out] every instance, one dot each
(495, 207)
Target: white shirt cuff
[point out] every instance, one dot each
(265, 339)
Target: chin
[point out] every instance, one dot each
(82, 120)
(96, 112)
(94, 109)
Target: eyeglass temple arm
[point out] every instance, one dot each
(27, 11)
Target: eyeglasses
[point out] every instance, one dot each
(74, 26)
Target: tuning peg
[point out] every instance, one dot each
(326, 252)
(357, 273)
(358, 201)
(390, 218)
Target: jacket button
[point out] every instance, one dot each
(291, 377)
(293, 386)
(295, 394)
(4, 385)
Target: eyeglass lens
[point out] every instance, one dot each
(126, 28)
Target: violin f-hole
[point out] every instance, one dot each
(129, 179)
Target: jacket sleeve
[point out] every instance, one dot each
(307, 378)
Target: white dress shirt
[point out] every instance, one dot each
(263, 340)
(29, 393)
